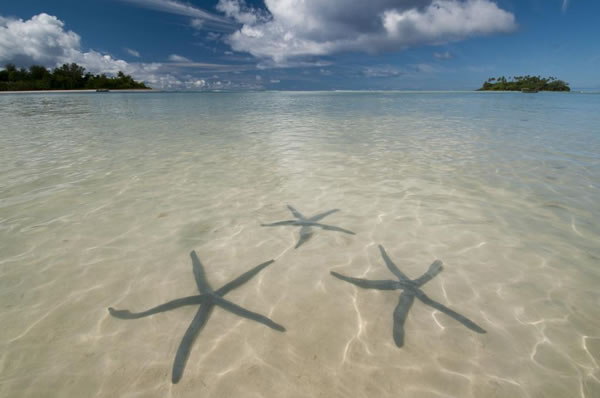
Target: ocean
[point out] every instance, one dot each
(104, 198)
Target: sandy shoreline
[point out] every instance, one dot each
(77, 91)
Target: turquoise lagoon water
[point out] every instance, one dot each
(104, 196)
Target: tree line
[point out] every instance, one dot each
(517, 83)
(65, 77)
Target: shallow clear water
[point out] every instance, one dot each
(103, 197)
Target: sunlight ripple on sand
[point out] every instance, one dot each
(102, 198)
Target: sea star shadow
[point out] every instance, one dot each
(411, 289)
(306, 224)
(207, 299)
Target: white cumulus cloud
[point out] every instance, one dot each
(292, 28)
(43, 40)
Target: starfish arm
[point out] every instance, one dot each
(296, 213)
(236, 309)
(278, 223)
(453, 314)
(367, 284)
(240, 280)
(434, 269)
(391, 266)
(333, 228)
(126, 314)
(322, 215)
(305, 234)
(192, 331)
(400, 313)
(199, 275)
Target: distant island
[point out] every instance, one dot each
(66, 77)
(524, 83)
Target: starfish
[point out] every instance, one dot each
(410, 290)
(207, 299)
(306, 224)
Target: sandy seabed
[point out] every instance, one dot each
(102, 199)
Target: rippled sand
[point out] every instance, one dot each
(102, 198)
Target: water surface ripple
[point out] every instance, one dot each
(103, 197)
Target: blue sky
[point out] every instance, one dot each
(310, 44)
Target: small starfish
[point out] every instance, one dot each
(306, 224)
(411, 289)
(207, 299)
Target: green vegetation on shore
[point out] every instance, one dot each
(66, 77)
(518, 83)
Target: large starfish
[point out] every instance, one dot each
(306, 224)
(410, 290)
(207, 299)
